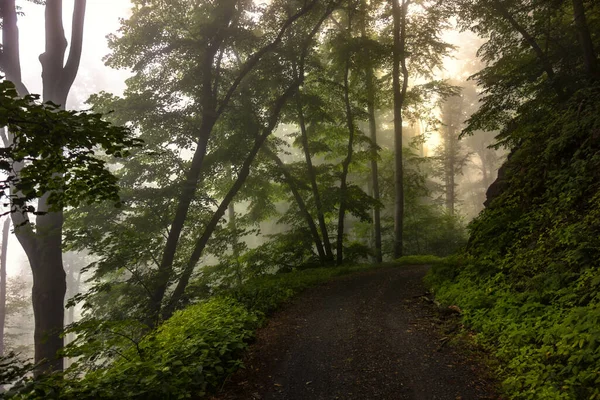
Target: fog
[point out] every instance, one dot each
(102, 18)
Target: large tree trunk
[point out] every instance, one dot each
(48, 294)
(399, 60)
(44, 246)
(4, 249)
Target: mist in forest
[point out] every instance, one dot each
(458, 167)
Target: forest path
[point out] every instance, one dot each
(361, 336)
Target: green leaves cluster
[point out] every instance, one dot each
(54, 151)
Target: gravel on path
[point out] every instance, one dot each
(362, 336)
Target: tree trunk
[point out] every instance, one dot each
(4, 249)
(301, 204)
(399, 60)
(484, 169)
(585, 40)
(44, 246)
(374, 183)
(212, 109)
(313, 180)
(450, 157)
(72, 264)
(345, 166)
(10, 63)
(544, 61)
(214, 221)
(374, 175)
(49, 289)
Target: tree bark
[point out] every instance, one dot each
(399, 61)
(48, 293)
(585, 40)
(10, 62)
(451, 115)
(4, 249)
(44, 246)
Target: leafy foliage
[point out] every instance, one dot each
(190, 354)
(55, 151)
(530, 283)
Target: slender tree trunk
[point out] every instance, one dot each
(73, 271)
(450, 195)
(374, 166)
(232, 223)
(484, 170)
(374, 183)
(188, 192)
(585, 40)
(212, 109)
(312, 177)
(4, 249)
(450, 159)
(300, 202)
(345, 165)
(214, 221)
(399, 60)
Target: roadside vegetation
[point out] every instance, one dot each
(528, 283)
(260, 148)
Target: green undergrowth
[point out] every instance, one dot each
(529, 281)
(193, 352)
(548, 344)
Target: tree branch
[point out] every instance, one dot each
(56, 44)
(72, 65)
(547, 67)
(255, 58)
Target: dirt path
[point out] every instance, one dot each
(363, 336)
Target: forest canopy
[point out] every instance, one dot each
(259, 148)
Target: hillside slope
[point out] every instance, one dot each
(529, 282)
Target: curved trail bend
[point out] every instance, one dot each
(361, 336)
